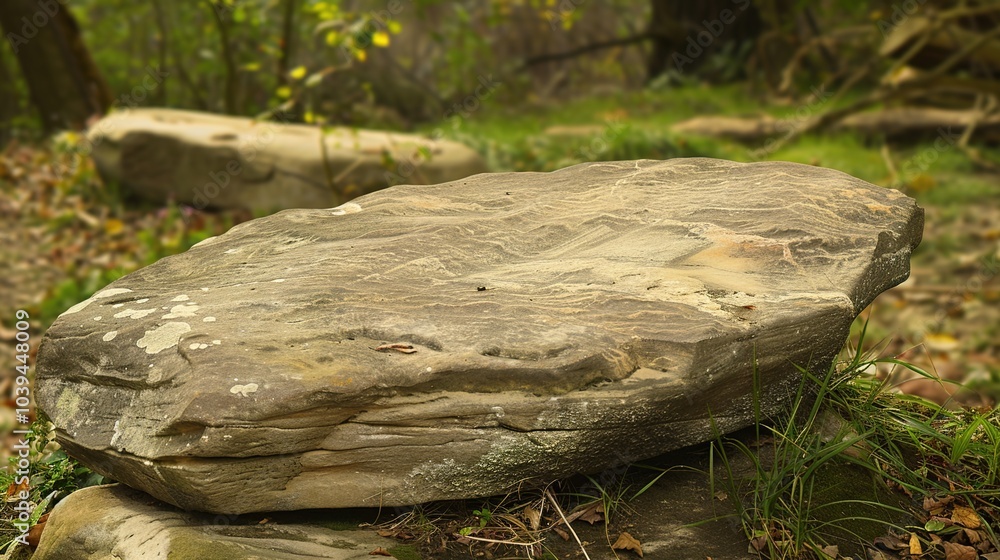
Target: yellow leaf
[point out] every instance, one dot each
(331, 38)
(966, 517)
(298, 73)
(251, 66)
(360, 55)
(922, 183)
(394, 27)
(284, 92)
(380, 39)
(309, 117)
(113, 226)
(915, 548)
(940, 342)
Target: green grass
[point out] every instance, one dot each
(513, 139)
(848, 425)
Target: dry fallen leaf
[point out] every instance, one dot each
(591, 513)
(14, 490)
(915, 548)
(831, 551)
(955, 551)
(379, 551)
(628, 542)
(934, 505)
(35, 532)
(966, 517)
(561, 533)
(533, 517)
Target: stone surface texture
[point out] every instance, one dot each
(203, 160)
(457, 340)
(115, 521)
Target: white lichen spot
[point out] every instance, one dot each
(348, 208)
(181, 311)
(134, 313)
(143, 300)
(429, 369)
(204, 289)
(208, 319)
(181, 297)
(109, 336)
(216, 342)
(193, 346)
(99, 295)
(202, 346)
(278, 280)
(117, 305)
(98, 318)
(163, 337)
(230, 251)
(117, 434)
(243, 390)
(111, 292)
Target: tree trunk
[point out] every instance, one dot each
(10, 102)
(287, 36)
(64, 82)
(686, 33)
(223, 18)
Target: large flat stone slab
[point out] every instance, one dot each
(207, 160)
(543, 323)
(118, 522)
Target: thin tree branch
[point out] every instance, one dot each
(549, 57)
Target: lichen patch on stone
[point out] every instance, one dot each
(348, 208)
(243, 390)
(163, 337)
(109, 336)
(181, 311)
(134, 313)
(111, 292)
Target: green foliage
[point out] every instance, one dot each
(52, 476)
(901, 442)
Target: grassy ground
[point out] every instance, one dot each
(67, 235)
